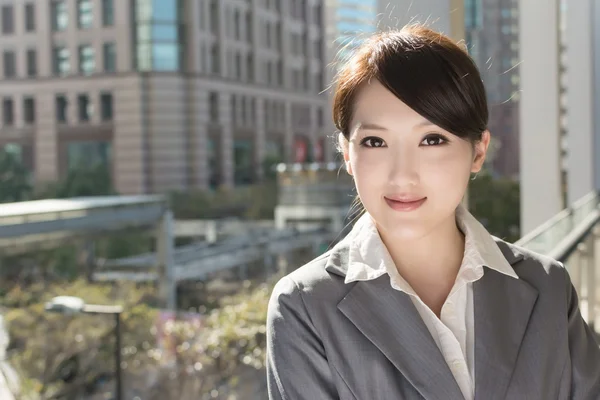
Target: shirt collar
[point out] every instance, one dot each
(368, 257)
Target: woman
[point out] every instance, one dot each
(419, 301)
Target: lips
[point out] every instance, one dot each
(405, 203)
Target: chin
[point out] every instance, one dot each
(402, 230)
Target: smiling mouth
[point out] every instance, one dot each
(402, 205)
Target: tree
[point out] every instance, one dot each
(82, 181)
(14, 178)
(73, 355)
(495, 202)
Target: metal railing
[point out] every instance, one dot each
(572, 237)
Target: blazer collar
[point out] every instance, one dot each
(388, 318)
(492, 251)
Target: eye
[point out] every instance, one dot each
(372, 141)
(434, 140)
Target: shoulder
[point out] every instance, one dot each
(535, 268)
(319, 283)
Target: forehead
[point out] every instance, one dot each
(375, 104)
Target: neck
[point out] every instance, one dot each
(430, 264)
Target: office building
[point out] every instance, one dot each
(170, 95)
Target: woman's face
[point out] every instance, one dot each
(410, 174)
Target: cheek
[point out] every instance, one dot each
(447, 169)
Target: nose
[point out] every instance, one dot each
(404, 172)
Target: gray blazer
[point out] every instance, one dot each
(366, 341)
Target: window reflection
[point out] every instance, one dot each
(164, 32)
(165, 56)
(158, 35)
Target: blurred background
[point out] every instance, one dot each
(174, 158)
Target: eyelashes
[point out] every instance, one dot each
(432, 139)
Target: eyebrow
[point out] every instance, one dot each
(375, 127)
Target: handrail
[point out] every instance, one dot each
(570, 215)
(569, 244)
(540, 229)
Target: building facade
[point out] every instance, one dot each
(170, 95)
(492, 37)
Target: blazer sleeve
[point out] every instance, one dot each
(584, 351)
(296, 363)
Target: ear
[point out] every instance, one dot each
(481, 149)
(344, 146)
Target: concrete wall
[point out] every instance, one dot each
(541, 192)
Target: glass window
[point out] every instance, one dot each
(60, 16)
(214, 17)
(237, 25)
(61, 61)
(88, 154)
(29, 110)
(110, 57)
(84, 107)
(215, 58)
(242, 157)
(87, 63)
(165, 56)
(144, 56)
(166, 33)
(249, 27)
(8, 23)
(29, 17)
(157, 10)
(10, 64)
(8, 115)
(84, 14)
(61, 108)
(106, 106)
(108, 13)
(250, 68)
(31, 62)
(164, 10)
(238, 66)
(213, 106)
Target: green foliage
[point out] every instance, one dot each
(253, 202)
(81, 182)
(218, 355)
(14, 179)
(495, 203)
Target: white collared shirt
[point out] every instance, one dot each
(454, 331)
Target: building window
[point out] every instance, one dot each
(108, 13)
(9, 62)
(88, 154)
(61, 108)
(237, 25)
(8, 23)
(249, 28)
(215, 59)
(238, 66)
(213, 106)
(84, 107)
(214, 17)
(110, 57)
(84, 14)
(31, 62)
(8, 115)
(106, 106)
(29, 110)
(250, 67)
(86, 60)
(61, 62)
(157, 35)
(29, 17)
(60, 16)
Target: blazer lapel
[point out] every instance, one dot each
(389, 319)
(503, 306)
